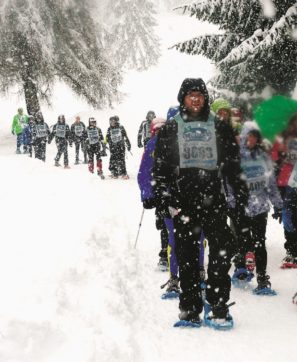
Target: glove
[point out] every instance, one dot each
(70, 144)
(140, 145)
(103, 153)
(12, 132)
(149, 204)
(129, 148)
(165, 209)
(277, 215)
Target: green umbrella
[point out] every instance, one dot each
(273, 115)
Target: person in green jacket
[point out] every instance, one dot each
(20, 121)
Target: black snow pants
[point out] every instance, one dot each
(40, 149)
(252, 237)
(117, 162)
(62, 146)
(210, 216)
(79, 143)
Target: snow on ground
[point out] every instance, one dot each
(73, 288)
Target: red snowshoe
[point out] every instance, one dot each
(289, 262)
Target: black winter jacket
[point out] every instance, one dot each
(173, 184)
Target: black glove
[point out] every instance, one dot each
(70, 144)
(49, 141)
(277, 215)
(129, 148)
(149, 203)
(140, 145)
(12, 132)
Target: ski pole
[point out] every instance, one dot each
(139, 228)
(131, 153)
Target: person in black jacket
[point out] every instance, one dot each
(61, 133)
(40, 135)
(117, 140)
(95, 146)
(77, 133)
(194, 151)
(144, 133)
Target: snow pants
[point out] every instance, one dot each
(252, 237)
(94, 150)
(290, 220)
(19, 140)
(79, 143)
(117, 162)
(188, 225)
(62, 146)
(40, 149)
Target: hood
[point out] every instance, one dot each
(196, 84)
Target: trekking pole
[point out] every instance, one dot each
(139, 228)
(131, 153)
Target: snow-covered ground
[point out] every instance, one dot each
(73, 288)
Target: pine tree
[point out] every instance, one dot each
(133, 33)
(252, 51)
(42, 41)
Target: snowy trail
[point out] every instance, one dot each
(76, 289)
(73, 288)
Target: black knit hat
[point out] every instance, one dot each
(192, 84)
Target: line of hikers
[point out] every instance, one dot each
(203, 165)
(33, 133)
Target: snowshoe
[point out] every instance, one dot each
(172, 290)
(113, 177)
(163, 264)
(57, 164)
(100, 174)
(66, 167)
(264, 286)
(125, 177)
(76, 162)
(188, 319)
(18, 151)
(241, 278)
(218, 317)
(289, 262)
(250, 261)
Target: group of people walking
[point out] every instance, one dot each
(210, 175)
(34, 134)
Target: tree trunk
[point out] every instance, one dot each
(31, 96)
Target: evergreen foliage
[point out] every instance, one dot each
(132, 32)
(252, 51)
(42, 41)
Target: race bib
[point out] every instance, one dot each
(93, 136)
(256, 173)
(41, 131)
(293, 178)
(291, 156)
(78, 130)
(23, 121)
(197, 144)
(116, 135)
(61, 131)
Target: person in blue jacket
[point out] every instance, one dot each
(251, 233)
